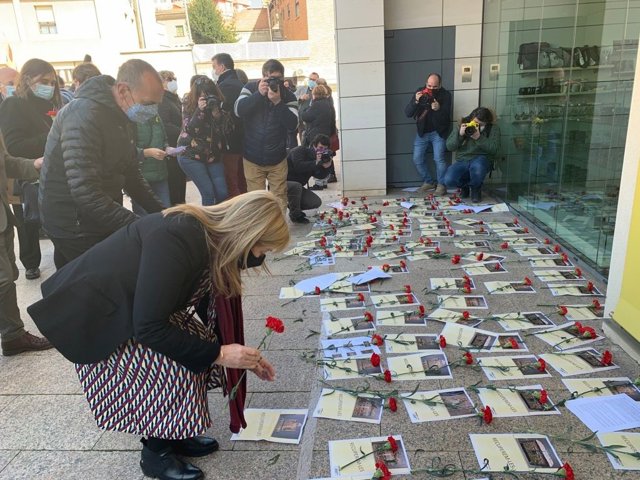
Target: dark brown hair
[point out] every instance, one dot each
(34, 68)
(200, 85)
(84, 72)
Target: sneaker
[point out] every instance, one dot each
(441, 189)
(426, 187)
(25, 343)
(464, 191)
(32, 273)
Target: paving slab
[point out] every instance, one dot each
(225, 465)
(45, 372)
(5, 457)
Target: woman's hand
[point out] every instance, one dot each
(238, 356)
(463, 127)
(202, 103)
(265, 371)
(156, 153)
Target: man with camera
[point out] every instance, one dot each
(430, 107)
(304, 163)
(269, 111)
(474, 141)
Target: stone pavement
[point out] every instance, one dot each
(47, 431)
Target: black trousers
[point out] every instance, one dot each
(177, 182)
(28, 239)
(67, 249)
(300, 198)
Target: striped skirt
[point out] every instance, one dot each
(137, 390)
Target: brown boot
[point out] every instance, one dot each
(25, 343)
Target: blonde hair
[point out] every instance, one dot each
(233, 228)
(320, 91)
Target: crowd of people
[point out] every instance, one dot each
(129, 283)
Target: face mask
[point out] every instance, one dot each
(215, 76)
(312, 84)
(43, 91)
(139, 113)
(252, 261)
(11, 90)
(172, 86)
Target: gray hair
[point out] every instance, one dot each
(131, 72)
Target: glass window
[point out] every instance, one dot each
(297, 8)
(179, 30)
(559, 78)
(46, 19)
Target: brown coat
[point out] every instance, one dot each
(13, 167)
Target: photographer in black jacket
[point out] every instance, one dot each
(430, 107)
(304, 163)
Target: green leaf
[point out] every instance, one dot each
(273, 460)
(207, 24)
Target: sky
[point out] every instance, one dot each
(256, 3)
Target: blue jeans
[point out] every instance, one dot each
(161, 189)
(208, 177)
(420, 146)
(467, 173)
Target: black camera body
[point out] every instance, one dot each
(472, 127)
(427, 98)
(213, 102)
(326, 156)
(275, 83)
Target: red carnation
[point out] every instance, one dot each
(541, 365)
(386, 267)
(556, 248)
(317, 290)
(409, 298)
(513, 343)
(373, 219)
(382, 471)
(456, 259)
(467, 279)
(363, 198)
(403, 264)
(329, 221)
(353, 202)
(527, 281)
(607, 358)
(544, 397)
(377, 340)
(402, 249)
(515, 220)
(385, 204)
(437, 250)
(547, 241)
(393, 445)
(487, 415)
(467, 288)
(407, 289)
(392, 227)
(387, 376)
(421, 309)
(443, 341)
(567, 472)
(361, 297)
(466, 315)
(596, 303)
(563, 310)
(327, 253)
(375, 359)
(368, 317)
(275, 324)
(565, 258)
(468, 358)
(428, 241)
(480, 256)
(393, 404)
(590, 286)
(589, 332)
(525, 230)
(578, 272)
(497, 267)
(504, 245)
(322, 216)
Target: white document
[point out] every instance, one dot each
(368, 276)
(407, 204)
(606, 414)
(309, 285)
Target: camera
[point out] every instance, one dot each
(212, 102)
(326, 156)
(471, 128)
(274, 83)
(427, 98)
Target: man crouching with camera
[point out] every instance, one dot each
(475, 140)
(304, 163)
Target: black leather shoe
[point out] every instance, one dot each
(195, 446)
(475, 194)
(32, 273)
(332, 179)
(166, 466)
(464, 192)
(299, 219)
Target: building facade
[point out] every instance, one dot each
(289, 19)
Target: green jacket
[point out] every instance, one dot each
(152, 135)
(466, 148)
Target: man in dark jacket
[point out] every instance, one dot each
(91, 156)
(231, 86)
(304, 163)
(269, 111)
(13, 337)
(430, 107)
(170, 111)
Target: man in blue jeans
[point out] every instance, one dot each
(430, 107)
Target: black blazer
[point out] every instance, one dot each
(319, 118)
(126, 287)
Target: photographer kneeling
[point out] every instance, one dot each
(304, 163)
(474, 142)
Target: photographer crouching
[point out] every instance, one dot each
(430, 107)
(304, 163)
(476, 139)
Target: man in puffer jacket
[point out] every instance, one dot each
(269, 111)
(91, 156)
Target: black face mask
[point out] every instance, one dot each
(252, 261)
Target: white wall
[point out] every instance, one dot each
(361, 81)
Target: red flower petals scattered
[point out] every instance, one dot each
(275, 324)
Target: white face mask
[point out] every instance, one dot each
(43, 91)
(172, 86)
(215, 76)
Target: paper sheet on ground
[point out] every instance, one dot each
(343, 452)
(472, 244)
(438, 405)
(577, 362)
(578, 313)
(535, 252)
(511, 368)
(516, 401)
(279, 426)
(410, 342)
(430, 364)
(606, 414)
(344, 303)
(565, 337)
(475, 208)
(624, 442)
(351, 368)
(368, 276)
(523, 320)
(394, 300)
(557, 275)
(398, 318)
(450, 283)
(486, 258)
(451, 316)
(345, 326)
(339, 405)
(508, 287)
(519, 452)
(290, 293)
(348, 347)
(524, 241)
(604, 387)
(477, 340)
(308, 285)
(462, 301)
(487, 268)
(549, 262)
(577, 290)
